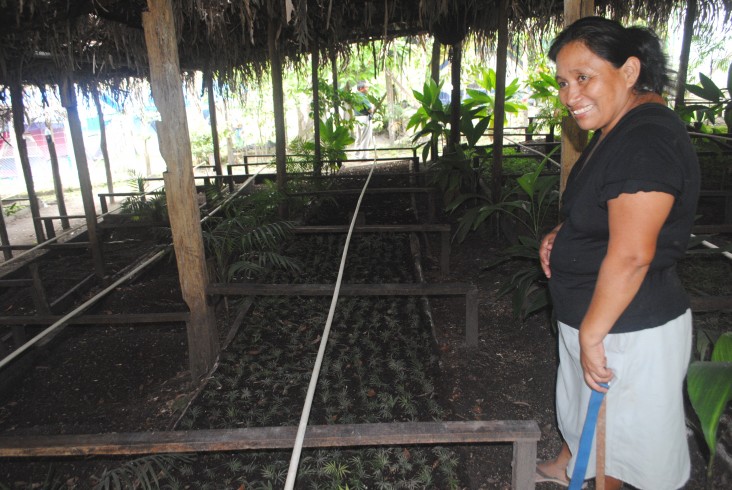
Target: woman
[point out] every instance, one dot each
(627, 214)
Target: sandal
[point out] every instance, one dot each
(542, 477)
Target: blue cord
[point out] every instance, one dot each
(585, 445)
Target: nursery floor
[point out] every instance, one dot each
(134, 378)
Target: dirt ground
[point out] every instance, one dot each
(134, 378)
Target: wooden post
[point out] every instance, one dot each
(574, 139)
(682, 72)
(435, 74)
(275, 62)
(16, 94)
(500, 101)
(4, 239)
(456, 66)
(336, 100)
(103, 140)
(315, 62)
(57, 184)
(68, 100)
(208, 80)
(175, 147)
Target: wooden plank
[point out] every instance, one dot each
(712, 229)
(121, 319)
(392, 434)
(711, 303)
(375, 190)
(437, 228)
(523, 466)
(15, 283)
(398, 289)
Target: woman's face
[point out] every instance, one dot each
(596, 93)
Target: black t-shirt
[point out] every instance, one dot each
(648, 150)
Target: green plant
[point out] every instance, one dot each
(431, 118)
(545, 93)
(145, 473)
(718, 103)
(709, 384)
(201, 147)
(334, 139)
(146, 206)
(483, 97)
(535, 195)
(12, 209)
(241, 242)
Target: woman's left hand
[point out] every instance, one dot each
(594, 365)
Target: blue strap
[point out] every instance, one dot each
(585, 445)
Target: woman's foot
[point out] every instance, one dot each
(552, 472)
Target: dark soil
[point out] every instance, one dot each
(129, 378)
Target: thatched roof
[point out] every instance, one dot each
(44, 41)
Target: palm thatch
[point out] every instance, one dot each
(102, 41)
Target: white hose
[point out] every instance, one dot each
(297, 449)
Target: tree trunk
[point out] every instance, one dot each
(57, 184)
(175, 147)
(336, 100)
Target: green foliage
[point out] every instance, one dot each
(334, 139)
(545, 91)
(530, 202)
(146, 473)
(145, 206)
(718, 103)
(12, 209)
(709, 383)
(201, 147)
(245, 242)
(431, 118)
(484, 98)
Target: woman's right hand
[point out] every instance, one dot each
(545, 250)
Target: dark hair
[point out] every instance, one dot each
(614, 43)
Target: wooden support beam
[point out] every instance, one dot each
(175, 147)
(499, 113)
(102, 139)
(682, 72)
(455, 68)
(58, 186)
(4, 238)
(523, 434)
(574, 139)
(275, 63)
(470, 292)
(16, 96)
(208, 81)
(133, 319)
(68, 100)
(315, 87)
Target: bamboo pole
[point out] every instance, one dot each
(175, 147)
(68, 100)
(18, 106)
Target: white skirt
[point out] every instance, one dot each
(646, 442)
